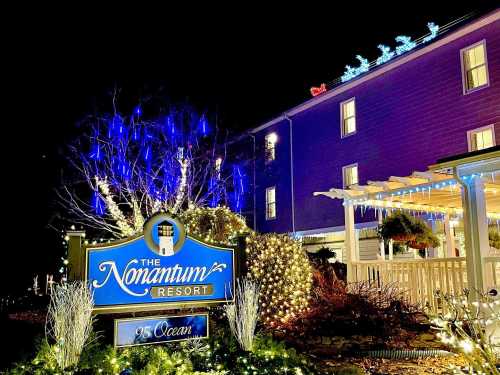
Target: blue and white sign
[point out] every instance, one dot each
(155, 330)
(159, 269)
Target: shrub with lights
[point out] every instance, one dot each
(219, 226)
(219, 355)
(281, 267)
(471, 328)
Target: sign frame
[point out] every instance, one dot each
(155, 306)
(117, 321)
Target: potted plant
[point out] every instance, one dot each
(424, 238)
(397, 227)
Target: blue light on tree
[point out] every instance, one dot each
(135, 166)
(203, 125)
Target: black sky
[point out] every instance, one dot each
(247, 62)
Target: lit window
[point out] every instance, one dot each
(271, 203)
(348, 117)
(481, 138)
(350, 174)
(270, 147)
(474, 67)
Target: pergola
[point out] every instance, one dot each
(465, 186)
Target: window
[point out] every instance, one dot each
(350, 175)
(270, 147)
(271, 203)
(474, 67)
(481, 138)
(348, 117)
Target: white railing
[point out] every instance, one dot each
(418, 280)
(492, 271)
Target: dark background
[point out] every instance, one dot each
(247, 63)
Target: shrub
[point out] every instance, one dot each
(494, 237)
(221, 356)
(244, 313)
(69, 322)
(218, 225)
(470, 328)
(281, 268)
(340, 309)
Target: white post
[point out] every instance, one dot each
(381, 243)
(350, 240)
(391, 249)
(450, 237)
(476, 234)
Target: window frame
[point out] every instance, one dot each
(267, 150)
(470, 134)
(342, 134)
(465, 90)
(267, 203)
(344, 169)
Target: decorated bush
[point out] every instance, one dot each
(282, 269)
(218, 225)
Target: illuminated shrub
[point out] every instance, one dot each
(218, 225)
(282, 269)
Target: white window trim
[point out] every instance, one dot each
(464, 79)
(477, 130)
(266, 160)
(342, 135)
(343, 174)
(266, 204)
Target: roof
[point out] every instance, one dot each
(384, 68)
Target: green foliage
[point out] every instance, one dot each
(218, 225)
(409, 230)
(494, 237)
(398, 226)
(222, 357)
(349, 370)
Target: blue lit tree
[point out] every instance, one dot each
(132, 166)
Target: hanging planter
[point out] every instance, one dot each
(417, 245)
(397, 227)
(403, 238)
(403, 228)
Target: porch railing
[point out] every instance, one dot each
(418, 280)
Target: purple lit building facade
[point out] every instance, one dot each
(438, 100)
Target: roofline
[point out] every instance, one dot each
(467, 158)
(466, 29)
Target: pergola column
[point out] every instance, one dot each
(351, 250)
(381, 242)
(476, 233)
(450, 237)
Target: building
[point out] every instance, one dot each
(438, 99)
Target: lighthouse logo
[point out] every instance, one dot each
(164, 235)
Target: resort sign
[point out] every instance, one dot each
(158, 329)
(162, 268)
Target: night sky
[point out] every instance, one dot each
(246, 63)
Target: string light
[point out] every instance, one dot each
(217, 225)
(282, 269)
